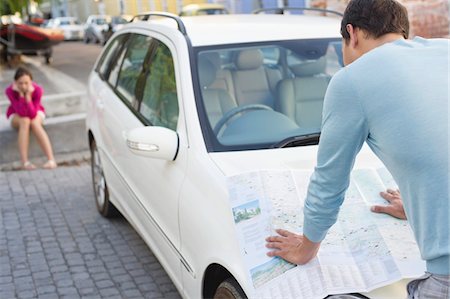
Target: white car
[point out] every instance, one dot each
(94, 27)
(178, 104)
(72, 28)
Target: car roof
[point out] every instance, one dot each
(232, 29)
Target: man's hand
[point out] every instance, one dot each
(395, 207)
(296, 249)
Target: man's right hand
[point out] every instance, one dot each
(395, 206)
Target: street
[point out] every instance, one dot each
(53, 243)
(75, 59)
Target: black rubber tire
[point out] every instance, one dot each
(229, 289)
(104, 206)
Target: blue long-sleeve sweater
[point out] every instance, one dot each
(395, 98)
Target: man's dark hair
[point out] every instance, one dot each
(21, 71)
(376, 18)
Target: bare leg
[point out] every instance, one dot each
(42, 137)
(22, 124)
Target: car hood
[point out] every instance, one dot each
(232, 163)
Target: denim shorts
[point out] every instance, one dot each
(429, 286)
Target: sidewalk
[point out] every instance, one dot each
(54, 243)
(64, 100)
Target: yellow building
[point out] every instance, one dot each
(133, 7)
(81, 9)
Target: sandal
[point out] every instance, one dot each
(28, 166)
(50, 164)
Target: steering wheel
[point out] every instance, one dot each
(236, 110)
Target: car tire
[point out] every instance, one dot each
(101, 193)
(229, 289)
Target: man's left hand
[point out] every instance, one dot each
(296, 249)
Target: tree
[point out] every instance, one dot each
(13, 6)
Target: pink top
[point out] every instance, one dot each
(20, 106)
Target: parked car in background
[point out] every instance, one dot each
(116, 23)
(203, 9)
(71, 26)
(94, 27)
(178, 104)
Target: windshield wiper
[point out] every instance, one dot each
(310, 139)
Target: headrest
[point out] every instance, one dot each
(206, 72)
(249, 59)
(214, 57)
(310, 68)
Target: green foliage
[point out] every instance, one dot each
(246, 214)
(4, 8)
(13, 6)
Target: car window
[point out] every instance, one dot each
(118, 20)
(212, 11)
(159, 101)
(132, 66)
(114, 73)
(108, 56)
(100, 21)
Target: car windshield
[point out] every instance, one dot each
(101, 21)
(211, 11)
(118, 20)
(265, 95)
(66, 22)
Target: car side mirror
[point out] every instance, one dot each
(153, 142)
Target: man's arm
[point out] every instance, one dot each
(344, 130)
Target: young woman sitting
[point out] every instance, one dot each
(26, 112)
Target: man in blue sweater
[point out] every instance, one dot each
(394, 95)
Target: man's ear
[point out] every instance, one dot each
(353, 35)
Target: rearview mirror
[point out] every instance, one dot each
(153, 142)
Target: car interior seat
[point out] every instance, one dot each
(223, 76)
(301, 98)
(253, 82)
(217, 101)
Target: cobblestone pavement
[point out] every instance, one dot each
(54, 244)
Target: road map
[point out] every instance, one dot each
(361, 252)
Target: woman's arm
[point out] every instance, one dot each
(23, 105)
(36, 97)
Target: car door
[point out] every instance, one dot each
(102, 93)
(145, 93)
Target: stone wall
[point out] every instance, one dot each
(428, 18)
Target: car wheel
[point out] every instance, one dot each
(229, 289)
(104, 206)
